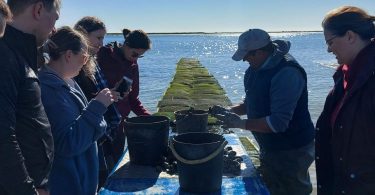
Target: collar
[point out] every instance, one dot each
(49, 77)
(363, 66)
(265, 63)
(271, 61)
(23, 44)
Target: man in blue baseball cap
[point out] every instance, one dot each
(276, 105)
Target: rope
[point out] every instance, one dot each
(198, 161)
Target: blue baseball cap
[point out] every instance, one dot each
(250, 40)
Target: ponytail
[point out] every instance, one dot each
(125, 32)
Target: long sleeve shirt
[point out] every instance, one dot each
(76, 125)
(26, 144)
(114, 66)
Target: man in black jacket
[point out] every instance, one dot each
(26, 145)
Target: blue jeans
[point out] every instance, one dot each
(286, 172)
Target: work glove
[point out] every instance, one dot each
(231, 120)
(217, 109)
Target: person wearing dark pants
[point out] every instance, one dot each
(277, 113)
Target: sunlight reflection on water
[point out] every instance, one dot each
(215, 51)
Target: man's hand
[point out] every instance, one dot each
(231, 120)
(217, 109)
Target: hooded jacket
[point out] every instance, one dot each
(277, 90)
(114, 66)
(76, 125)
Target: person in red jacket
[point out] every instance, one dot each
(117, 61)
(345, 130)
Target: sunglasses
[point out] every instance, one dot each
(136, 55)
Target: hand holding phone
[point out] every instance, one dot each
(124, 86)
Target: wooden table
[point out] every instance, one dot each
(134, 179)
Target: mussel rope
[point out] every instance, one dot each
(198, 161)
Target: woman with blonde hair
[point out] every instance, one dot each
(91, 80)
(345, 130)
(75, 122)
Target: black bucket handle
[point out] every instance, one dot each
(198, 161)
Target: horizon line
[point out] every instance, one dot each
(284, 31)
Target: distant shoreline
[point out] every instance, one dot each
(189, 33)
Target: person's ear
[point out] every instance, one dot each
(68, 56)
(351, 36)
(38, 9)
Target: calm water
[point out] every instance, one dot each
(214, 52)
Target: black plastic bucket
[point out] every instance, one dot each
(147, 138)
(199, 161)
(191, 121)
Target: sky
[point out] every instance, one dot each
(157, 16)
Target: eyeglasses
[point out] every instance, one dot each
(136, 55)
(330, 40)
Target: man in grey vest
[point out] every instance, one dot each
(276, 105)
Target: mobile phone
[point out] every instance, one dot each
(124, 86)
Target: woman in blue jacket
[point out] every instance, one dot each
(76, 124)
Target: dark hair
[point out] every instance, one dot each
(5, 11)
(65, 39)
(136, 39)
(89, 24)
(18, 6)
(125, 32)
(345, 18)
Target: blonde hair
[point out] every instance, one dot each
(86, 25)
(90, 68)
